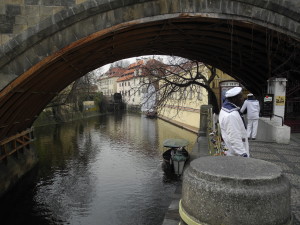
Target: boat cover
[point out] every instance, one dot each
(175, 143)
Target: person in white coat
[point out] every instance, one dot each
(232, 126)
(252, 108)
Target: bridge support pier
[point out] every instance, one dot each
(17, 158)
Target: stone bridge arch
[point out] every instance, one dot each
(249, 39)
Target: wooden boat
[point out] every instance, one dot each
(176, 155)
(151, 114)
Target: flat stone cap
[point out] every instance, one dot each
(228, 168)
(233, 190)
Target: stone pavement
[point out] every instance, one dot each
(287, 156)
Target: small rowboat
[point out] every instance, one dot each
(176, 155)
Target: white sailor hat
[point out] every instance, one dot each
(233, 92)
(250, 94)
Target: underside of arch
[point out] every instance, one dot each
(249, 52)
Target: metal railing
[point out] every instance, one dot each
(281, 117)
(16, 143)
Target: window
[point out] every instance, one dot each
(199, 95)
(191, 94)
(185, 93)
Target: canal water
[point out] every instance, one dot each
(103, 170)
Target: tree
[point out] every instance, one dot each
(179, 77)
(72, 97)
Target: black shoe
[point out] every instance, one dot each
(253, 138)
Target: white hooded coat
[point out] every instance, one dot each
(233, 132)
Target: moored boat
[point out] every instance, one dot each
(151, 114)
(176, 155)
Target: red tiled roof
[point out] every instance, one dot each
(128, 72)
(115, 72)
(128, 77)
(137, 63)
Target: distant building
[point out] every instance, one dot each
(89, 106)
(148, 100)
(128, 83)
(137, 90)
(135, 87)
(152, 69)
(107, 84)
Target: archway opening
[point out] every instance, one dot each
(250, 53)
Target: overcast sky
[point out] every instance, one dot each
(103, 69)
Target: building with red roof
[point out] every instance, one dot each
(129, 83)
(107, 83)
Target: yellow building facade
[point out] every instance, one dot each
(182, 108)
(186, 114)
(215, 84)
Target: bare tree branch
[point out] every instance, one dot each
(178, 79)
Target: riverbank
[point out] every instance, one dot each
(180, 125)
(45, 118)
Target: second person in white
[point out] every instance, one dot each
(252, 108)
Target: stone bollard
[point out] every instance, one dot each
(234, 191)
(203, 117)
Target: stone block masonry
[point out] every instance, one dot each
(7, 20)
(18, 15)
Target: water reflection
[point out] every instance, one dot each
(102, 170)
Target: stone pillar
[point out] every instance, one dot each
(234, 191)
(277, 86)
(14, 168)
(203, 118)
